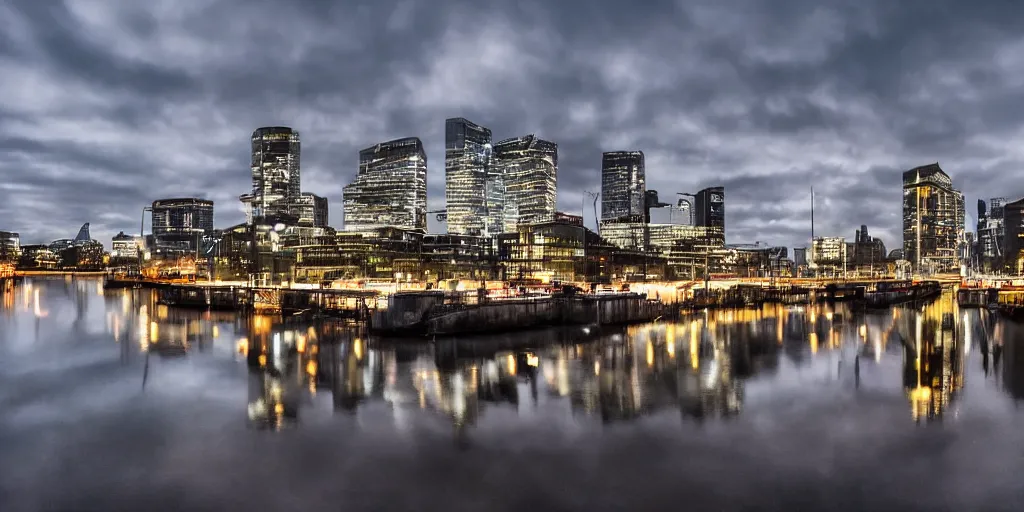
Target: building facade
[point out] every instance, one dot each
(275, 172)
(623, 184)
(528, 167)
(10, 247)
(466, 166)
(709, 208)
(990, 234)
(932, 231)
(1013, 256)
(390, 189)
(179, 224)
(309, 209)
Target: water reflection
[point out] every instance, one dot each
(700, 366)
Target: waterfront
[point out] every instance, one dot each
(112, 402)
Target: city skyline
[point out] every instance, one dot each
(169, 123)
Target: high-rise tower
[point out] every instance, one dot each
(275, 171)
(623, 185)
(390, 189)
(467, 162)
(529, 169)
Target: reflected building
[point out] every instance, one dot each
(390, 189)
(467, 167)
(933, 363)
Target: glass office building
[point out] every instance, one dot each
(390, 189)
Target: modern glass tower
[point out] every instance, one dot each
(180, 223)
(931, 227)
(623, 184)
(390, 189)
(529, 167)
(466, 163)
(275, 171)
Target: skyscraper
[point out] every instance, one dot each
(623, 184)
(528, 167)
(931, 230)
(467, 162)
(275, 171)
(390, 189)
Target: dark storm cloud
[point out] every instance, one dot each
(109, 105)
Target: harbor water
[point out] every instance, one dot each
(113, 402)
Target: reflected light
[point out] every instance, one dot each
(511, 364)
(814, 342)
(650, 354)
(357, 348)
(532, 360)
(243, 347)
(311, 368)
(37, 309)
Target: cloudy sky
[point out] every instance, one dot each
(107, 105)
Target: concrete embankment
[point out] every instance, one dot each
(427, 313)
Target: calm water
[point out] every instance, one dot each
(112, 402)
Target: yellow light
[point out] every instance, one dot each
(357, 347)
(650, 354)
(670, 347)
(311, 368)
(279, 408)
(814, 342)
(243, 347)
(300, 344)
(216, 332)
(154, 332)
(263, 359)
(863, 331)
(597, 367)
(511, 361)
(532, 360)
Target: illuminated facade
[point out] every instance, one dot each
(125, 246)
(828, 255)
(10, 246)
(623, 184)
(390, 189)
(933, 220)
(179, 224)
(467, 167)
(309, 209)
(275, 172)
(529, 169)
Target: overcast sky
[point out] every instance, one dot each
(107, 105)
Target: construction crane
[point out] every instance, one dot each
(595, 196)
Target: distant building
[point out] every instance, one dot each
(866, 253)
(125, 246)
(828, 256)
(528, 169)
(390, 189)
(933, 222)
(991, 232)
(10, 247)
(275, 173)
(709, 208)
(467, 167)
(1013, 215)
(309, 210)
(800, 256)
(179, 224)
(623, 185)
